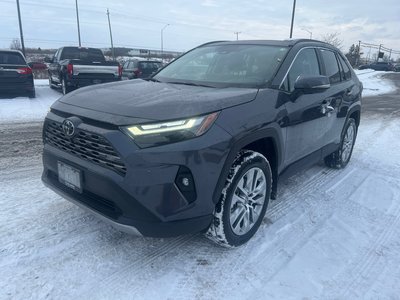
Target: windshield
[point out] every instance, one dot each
(225, 66)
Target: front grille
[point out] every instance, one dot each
(87, 145)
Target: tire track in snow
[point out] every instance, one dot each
(113, 281)
(296, 194)
(357, 276)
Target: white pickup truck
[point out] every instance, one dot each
(74, 67)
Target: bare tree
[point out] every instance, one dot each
(333, 39)
(15, 44)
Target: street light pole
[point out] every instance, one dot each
(20, 29)
(162, 42)
(309, 31)
(291, 26)
(237, 35)
(77, 21)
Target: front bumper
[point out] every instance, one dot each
(146, 199)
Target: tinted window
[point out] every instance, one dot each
(305, 64)
(11, 58)
(226, 65)
(82, 53)
(149, 66)
(346, 70)
(331, 66)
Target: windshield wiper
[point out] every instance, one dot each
(190, 83)
(153, 79)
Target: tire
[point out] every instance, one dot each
(341, 157)
(240, 210)
(65, 89)
(51, 84)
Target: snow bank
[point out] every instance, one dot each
(374, 83)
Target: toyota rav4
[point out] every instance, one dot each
(201, 145)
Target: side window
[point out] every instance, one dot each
(346, 69)
(331, 66)
(55, 57)
(126, 65)
(305, 64)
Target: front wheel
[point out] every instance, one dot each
(341, 157)
(243, 201)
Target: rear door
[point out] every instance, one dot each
(339, 95)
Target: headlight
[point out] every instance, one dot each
(155, 134)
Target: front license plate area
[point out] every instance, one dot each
(96, 81)
(69, 176)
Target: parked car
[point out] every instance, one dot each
(15, 74)
(186, 152)
(37, 65)
(378, 66)
(397, 67)
(74, 67)
(135, 68)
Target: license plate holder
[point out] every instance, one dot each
(96, 81)
(69, 176)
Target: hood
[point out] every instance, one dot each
(142, 100)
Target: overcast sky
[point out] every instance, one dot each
(136, 23)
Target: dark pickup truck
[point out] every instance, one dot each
(74, 67)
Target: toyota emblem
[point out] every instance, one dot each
(68, 128)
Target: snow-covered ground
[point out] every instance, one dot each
(332, 234)
(23, 109)
(373, 82)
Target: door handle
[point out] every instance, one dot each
(326, 107)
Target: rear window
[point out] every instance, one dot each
(10, 58)
(82, 53)
(149, 65)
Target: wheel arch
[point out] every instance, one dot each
(268, 142)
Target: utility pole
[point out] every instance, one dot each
(237, 34)
(379, 52)
(358, 53)
(20, 29)
(291, 26)
(109, 26)
(162, 42)
(390, 54)
(77, 21)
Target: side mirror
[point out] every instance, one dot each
(312, 84)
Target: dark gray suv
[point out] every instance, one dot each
(201, 145)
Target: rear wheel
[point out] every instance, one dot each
(243, 201)
(64, 87)
(341, 157)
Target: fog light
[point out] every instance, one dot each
(185, 183)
